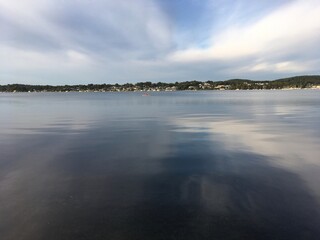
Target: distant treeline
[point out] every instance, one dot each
(232, 84)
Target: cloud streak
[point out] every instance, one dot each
(63, 42)
(282, 30)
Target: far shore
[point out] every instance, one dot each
(291, 83)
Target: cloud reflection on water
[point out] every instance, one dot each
(135, 171)
(292, 149)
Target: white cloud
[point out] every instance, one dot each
(12, 58)
(77, 57)
(281, 66)
(47, 36)
(282, 32)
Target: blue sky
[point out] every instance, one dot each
(108, 41)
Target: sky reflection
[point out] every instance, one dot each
(177, 166)
(286, 146)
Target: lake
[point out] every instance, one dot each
(172, 165)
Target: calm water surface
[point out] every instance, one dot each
(176, 165)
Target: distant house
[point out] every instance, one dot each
(192, 88)
(222, 87)
(170, 89)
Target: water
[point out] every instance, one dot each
(173, 165)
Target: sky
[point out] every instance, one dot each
(118, 41)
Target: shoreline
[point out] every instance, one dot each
(150, 91)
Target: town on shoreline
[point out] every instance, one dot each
(297, 82)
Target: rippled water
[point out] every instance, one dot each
(176, 165)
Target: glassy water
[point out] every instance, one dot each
(173, 165)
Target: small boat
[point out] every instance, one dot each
(145, 94)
